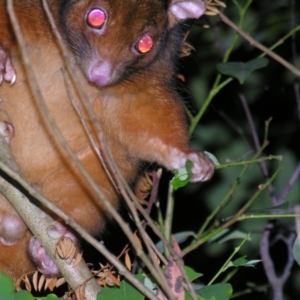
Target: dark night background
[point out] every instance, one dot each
(224, 131)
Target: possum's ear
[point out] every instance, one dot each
(184, 9)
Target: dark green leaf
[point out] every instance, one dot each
(52, 297)
(150, 285)
(6, 287)
(218, 235)
(296, 250)
(243, 262)
(221, 291)
(192, 275)
(236, 234)
(125, 292)
(23, 295)
(240, 261)
(273, 209)
(240, 70)
(180, 237)
(212, 158)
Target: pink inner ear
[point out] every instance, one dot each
(183, 9)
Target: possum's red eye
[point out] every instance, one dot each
(96, 18)
(144, 44)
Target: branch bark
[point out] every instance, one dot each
(32, 215)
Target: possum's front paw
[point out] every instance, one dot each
(7, 71)
(203, 167)
(38, 254)
(7, 131)
(41, 259)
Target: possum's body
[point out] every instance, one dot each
(136, 105)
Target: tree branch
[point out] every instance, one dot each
(33, 215)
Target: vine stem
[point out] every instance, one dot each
(248, 162)
(224, 267)
(267, 216)
(212, 233)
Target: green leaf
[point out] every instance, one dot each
(212, 158)
(52, 297)
(220, 291)
(240, 261)
(150, 285)
(6, 284)
(236, 234)
(125, 292)
(6, 287)
(279, 209)
(180, 237)
(243, 262)
(23, 295)
(252, 262)
(188, 297)
(296, 250)
(182, 176)
(258, 288)
(192, 275)
(240, 70)
(218, 235)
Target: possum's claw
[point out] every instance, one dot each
(7, 131)
(203, 167)
(43, 262)
(7, 70)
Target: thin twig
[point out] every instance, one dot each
(169, 215)
(259, 46)
(290, 184)
(257, 145)
(276, 281)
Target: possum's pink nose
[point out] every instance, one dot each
(100, 73)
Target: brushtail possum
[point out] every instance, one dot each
(124, 53)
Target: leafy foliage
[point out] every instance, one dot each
(7, 291)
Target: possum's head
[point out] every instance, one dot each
(114, 38)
